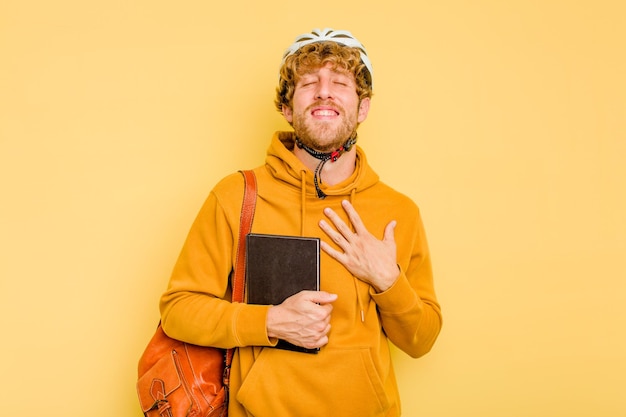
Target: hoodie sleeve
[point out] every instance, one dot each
(195, 308)
(409, 310)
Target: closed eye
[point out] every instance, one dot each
(307, 83)
(342, 80)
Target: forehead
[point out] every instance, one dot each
(328, 66)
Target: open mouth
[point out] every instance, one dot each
(324, 112)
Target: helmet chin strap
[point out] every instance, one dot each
(325, 157)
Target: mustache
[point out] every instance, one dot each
(325, 103)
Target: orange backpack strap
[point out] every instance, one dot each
(239, 274)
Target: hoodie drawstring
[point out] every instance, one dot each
(302, 200)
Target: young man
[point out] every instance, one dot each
(376, 278)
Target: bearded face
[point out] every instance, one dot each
(326, 108)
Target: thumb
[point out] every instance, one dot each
(322, 297)
(389, 231)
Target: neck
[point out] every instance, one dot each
(337, 171)
(333, 172)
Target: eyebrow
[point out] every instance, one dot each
(338, 71)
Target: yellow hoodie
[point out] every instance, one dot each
(352, 375)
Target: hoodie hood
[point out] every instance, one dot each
(288, 169)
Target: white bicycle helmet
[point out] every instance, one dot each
(339, 36)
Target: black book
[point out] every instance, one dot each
(278, 267)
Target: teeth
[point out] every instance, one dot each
(325, 113)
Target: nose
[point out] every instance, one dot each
(324, 90)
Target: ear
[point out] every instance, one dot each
(288, 113)
(364, 108)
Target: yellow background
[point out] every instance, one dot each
(504, 120)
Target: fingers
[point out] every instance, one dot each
(302, 319)
(343, 232)
(354, 217)
(321, 297)
(317, 341)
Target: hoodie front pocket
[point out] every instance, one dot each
(335, 382)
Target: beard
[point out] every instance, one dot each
(324, 136)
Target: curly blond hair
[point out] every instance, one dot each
(316, 55)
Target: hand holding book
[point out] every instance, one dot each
(284, 272)
(302, 319)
